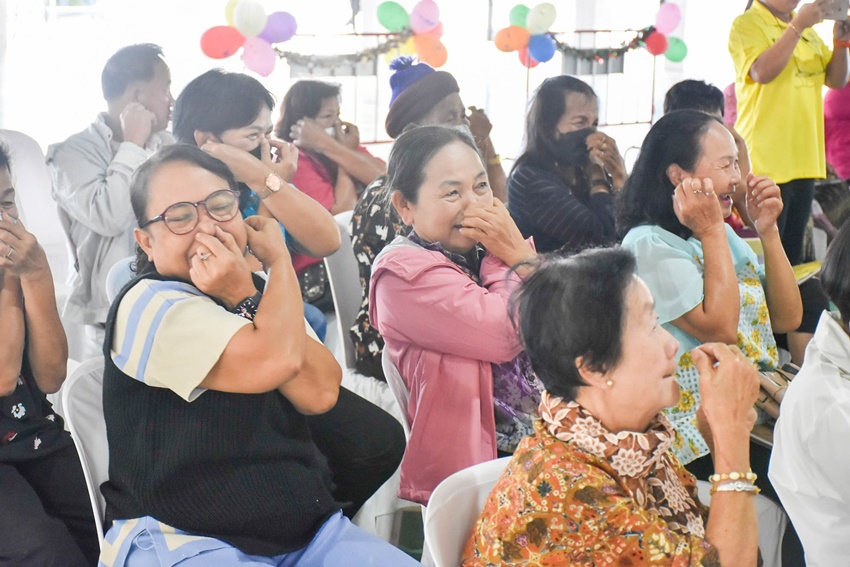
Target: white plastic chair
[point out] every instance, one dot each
(344, 279)
(454, 508)
(399, 389)
(771, 521)
(82, 398)
(118, 276)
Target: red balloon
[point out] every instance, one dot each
(437, 30)
(527, 59)
(221, 41)
(655, 43)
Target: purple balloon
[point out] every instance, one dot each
(280, 27)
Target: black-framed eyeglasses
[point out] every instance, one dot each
(182, 218)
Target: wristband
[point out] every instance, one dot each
(737, 486)
(601, 183)
(495, 160)
(839, 44)
(247, 308)
(791, 25)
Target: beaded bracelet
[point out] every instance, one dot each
(737, 486)
(749, 476)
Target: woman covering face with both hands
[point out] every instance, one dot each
(707, 283)
(46, 516)
(561, 189)
(207, 384)
(439, 298)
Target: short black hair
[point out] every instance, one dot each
(218, 101)
(412, 152)
(694, 95)
(647, 196)
(140, 183)
(835, 272)
(303, 100)
(574, 307)
(129, 65)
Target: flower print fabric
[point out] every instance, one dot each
(577, 494)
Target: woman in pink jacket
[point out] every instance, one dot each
(440, 299)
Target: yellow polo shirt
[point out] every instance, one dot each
(781, 121)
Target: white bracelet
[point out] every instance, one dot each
(737, 486)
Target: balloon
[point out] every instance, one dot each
(249, 18)
(228, 11)
(541, 48)
(406, 48)
(668, 17)
(424, 16)
(258, 56)
(526, 59)
(676, 49)
(221, 41)
(656, 43)
(437, 31)
(519, 14)
(511, 38)
(430, 50)
(540, 18)
(392, 16)
(280, 26)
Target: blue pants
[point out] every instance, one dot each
(338, 542)
(317, 320)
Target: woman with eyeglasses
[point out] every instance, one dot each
(781, 66)
(209, 376)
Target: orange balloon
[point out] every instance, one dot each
(511, 38)
(430, 49)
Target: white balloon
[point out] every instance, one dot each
(540, 18)
(249, 18)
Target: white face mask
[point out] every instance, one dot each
(331, 132)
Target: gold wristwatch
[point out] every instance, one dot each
(273, 184)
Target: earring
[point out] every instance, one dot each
(610, 383)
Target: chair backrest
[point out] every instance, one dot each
(344, 279)
(82, 398)
(118, 276)
(454, 508)
(397, 387)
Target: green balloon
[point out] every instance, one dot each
(518, 15)
(393, 16)
(676, 49)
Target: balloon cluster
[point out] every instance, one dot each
(424, 22)
(659, 41)
(250, 28)
(528, 34)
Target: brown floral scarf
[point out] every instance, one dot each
(643, 461)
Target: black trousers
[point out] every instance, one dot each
(363, 445)
(45, 513)
(797, 196)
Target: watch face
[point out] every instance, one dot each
(274, 182)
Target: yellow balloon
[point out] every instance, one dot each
(407, 48)
(228, 11)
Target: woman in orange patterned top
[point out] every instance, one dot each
(597, 484)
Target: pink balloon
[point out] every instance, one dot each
(425, 16)
(258, 56)
(668, 17)
(280, 26)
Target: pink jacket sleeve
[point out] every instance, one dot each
(440, 308)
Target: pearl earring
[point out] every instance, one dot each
(610, 383)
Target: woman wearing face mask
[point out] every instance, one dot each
(439, 298)
(561, 189)
(229, 115)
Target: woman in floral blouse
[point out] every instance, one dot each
(707, 282)
(597, 483)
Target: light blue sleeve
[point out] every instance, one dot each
(670, 268)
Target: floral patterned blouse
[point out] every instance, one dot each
(578, 502)
(673, 270)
